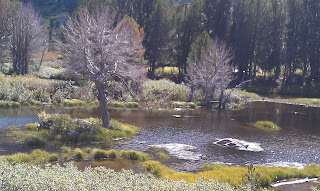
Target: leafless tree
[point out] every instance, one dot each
(96, 49)
(3, 29)
(213, 71)
(26, 38)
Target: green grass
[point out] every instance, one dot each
(36, 157)
(118, 104)
(163, 155)
(310, 101)
(32, 126)
(179, 104)
(232, 175)
(100, 154)
(266, 125)
(78, 154)
(133, 155)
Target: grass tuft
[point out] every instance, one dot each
(267, 125)
(133, 155)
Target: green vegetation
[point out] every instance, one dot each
(179, 104)
(118, 104)
(232, 175)
(31, 177)
(163, 155)
(134, 155)
(72, 102)
(100, 154)
(267, 125)
(36, 157)
(9, 104)
(309, 101)
(162, 92)
(55, 129)
(78, 154)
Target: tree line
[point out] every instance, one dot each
(279, 39)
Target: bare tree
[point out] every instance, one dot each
(3, 29)
(98, 50)
(26, 38)
(213, 71)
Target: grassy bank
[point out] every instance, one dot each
(55, 130)
(232, 175)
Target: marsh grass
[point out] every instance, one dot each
(78, 154)
(232, 175)
(134, 155)
(72, 102)
(267, 125)
(310, 101)
(100, 154)
(118, 104)
(36, 157)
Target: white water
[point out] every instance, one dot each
(180, 151)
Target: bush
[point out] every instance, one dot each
(154, 167)
(78, 154)
(133, 155)
(164, 91)
(16, 158)
(41, 95)
(9, 104)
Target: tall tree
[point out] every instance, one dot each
(101, 52)
(157, 38)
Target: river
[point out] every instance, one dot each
(189, 136)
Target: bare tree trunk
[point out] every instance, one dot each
(44, 50)
(103, 105)
(191, 93)
(221, 99)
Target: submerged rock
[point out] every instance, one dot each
(239, 144)
(180, 151)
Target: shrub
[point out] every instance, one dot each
(78, 154)
(164, 91)
(9, 104)
(133, 155)
(41, 95)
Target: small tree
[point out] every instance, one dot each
(27, 36)
(96, 49)
(213, 71)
